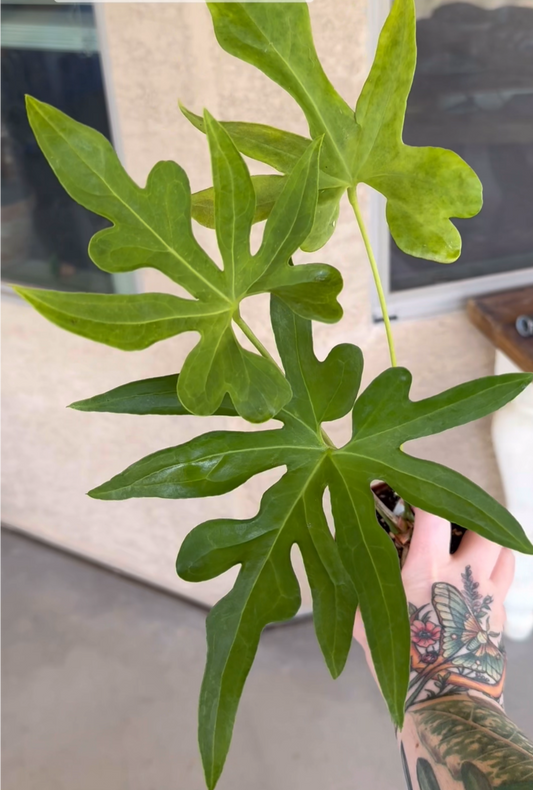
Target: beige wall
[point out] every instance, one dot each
(52, 455)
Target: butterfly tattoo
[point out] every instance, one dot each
(453, 648)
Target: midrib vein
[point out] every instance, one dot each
(132, 211)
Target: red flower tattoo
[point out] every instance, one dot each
(425, 634)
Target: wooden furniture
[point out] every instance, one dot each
(495, 315)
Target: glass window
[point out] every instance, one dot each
(50, 52)
(473, 93)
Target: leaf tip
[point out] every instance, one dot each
(78, 405)
(208, 118)
(212, 772)
(398, 717)
(24, 293)
(527, 547)
(334, 670)
(99, 493)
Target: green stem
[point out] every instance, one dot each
(352, 197)
(241, 323)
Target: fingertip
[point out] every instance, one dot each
(431, 537)
(503, 572)
(478, 551)
(358, 629)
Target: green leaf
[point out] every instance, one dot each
(147, 396)
(327, 214)
(129, 322)
(424, 187)
(306, 289)
(466, 729)
(359, 562)
(266, 591)
(321, 391)
(280, 150)
(277, 38)
(426, 775)
(384, 419)
(152, 227)
(371, 559)
(208, 465)
(267, 190)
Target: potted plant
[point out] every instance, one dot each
(151, 226)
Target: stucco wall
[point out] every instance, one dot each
(52, 455)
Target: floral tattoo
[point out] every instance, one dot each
(453, 649)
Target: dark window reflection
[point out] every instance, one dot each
(50, 53)
(473, 93)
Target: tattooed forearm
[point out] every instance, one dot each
(452, 645)
(457, 736)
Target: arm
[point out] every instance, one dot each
(456, 734)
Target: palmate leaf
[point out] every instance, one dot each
(152, 227)
(280, 150)
(424, 187)
(360, 562)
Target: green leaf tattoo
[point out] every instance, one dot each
(473, 778)
(426, 775)
(424, 187)
(152, 227)
(361, 562)
(458, 730)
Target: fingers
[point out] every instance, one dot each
(359, 629)
(479, 552)
(503, 573)
(431, 539)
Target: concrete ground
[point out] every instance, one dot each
(101, 678)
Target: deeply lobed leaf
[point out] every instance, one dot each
(424, 187)
(152, 227)
(358, 564)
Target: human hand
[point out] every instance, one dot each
(456, 608)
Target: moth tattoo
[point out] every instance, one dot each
(453, 648)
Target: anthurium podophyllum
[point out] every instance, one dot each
(361, 562)
(152, 227)
(358, 564)
(424, 187)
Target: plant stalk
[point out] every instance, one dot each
(241, 323)
(352, 197)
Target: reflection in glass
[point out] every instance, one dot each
(473, 93)
(51, 53)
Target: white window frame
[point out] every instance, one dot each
(126, 282)
(433, 299)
